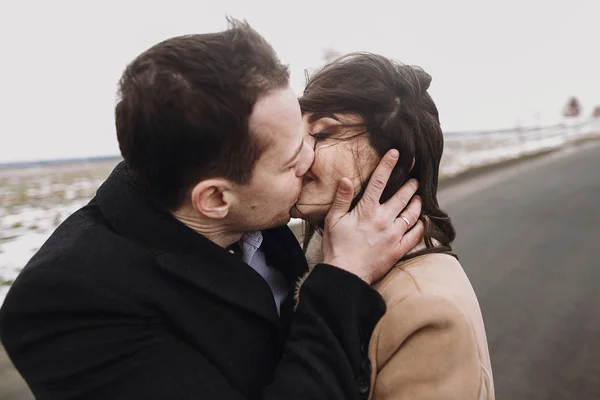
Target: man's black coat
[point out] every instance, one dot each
(125, 302)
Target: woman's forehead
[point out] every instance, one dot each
(344, 123)
(334, 118)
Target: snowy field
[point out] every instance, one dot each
(35, 200)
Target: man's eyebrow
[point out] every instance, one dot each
(296, 153)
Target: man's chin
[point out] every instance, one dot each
(274, 223)
(294, 213)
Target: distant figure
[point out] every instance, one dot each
(431, 342)
(175, 281)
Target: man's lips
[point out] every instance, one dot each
(306, 180)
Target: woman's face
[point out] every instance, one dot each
(340, 151)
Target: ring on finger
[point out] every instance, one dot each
(405, 220)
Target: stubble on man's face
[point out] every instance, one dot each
(276, 181)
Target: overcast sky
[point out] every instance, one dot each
(494, 64)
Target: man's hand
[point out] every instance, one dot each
(369, 240)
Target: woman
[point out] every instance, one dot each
(431, 343)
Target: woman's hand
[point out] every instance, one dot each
(369, 240)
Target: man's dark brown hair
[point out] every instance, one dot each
(184, 109)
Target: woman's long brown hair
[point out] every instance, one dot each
(397, 112)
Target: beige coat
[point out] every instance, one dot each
(431, 342)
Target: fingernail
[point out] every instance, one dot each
(394, 154)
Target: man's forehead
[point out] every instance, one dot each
(277, 122)
(280, 143)
(275, 109)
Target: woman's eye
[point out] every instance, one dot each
(320, 135)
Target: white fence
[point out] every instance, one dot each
(466, 150)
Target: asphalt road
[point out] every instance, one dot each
(529, 238)
(12, 386)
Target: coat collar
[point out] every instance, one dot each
(189, 256)
(284, 253)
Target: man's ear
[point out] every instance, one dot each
(212, 198)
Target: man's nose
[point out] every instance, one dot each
(311, 154)
(308, 159)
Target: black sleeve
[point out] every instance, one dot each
(109, 349)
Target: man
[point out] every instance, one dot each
(174, 281)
